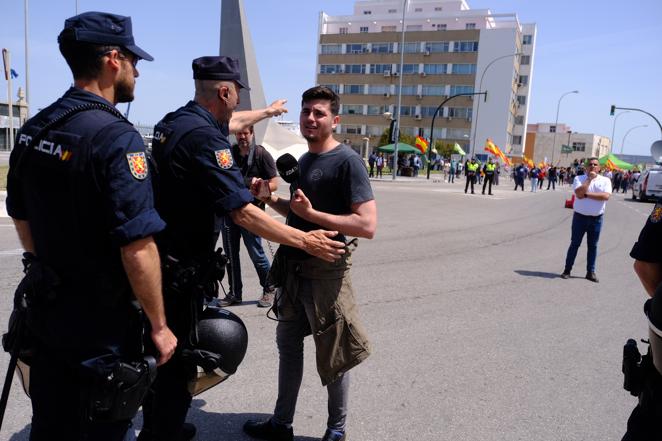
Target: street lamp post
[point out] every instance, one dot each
(613, 130)
(628, 132)
(435, 116)
(480, 89)
(396, 127)
(556, 123)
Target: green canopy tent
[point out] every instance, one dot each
(458, 149)
(402, 148)
(617, 162)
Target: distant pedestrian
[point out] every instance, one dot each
(533, 174)
(471, 171)
(380, 164)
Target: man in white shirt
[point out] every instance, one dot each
(592, 192)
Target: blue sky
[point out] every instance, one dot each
(611, 51)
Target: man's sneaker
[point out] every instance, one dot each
(266, 300)
(565, 274)
(334, 435)
(268, 430)
(230, 300)
(187, 433)
(592, 277)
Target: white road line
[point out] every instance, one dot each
(16, 252)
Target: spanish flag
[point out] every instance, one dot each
(421, 144)
(491, 148)
(611, 166)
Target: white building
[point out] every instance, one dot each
(449, 49)
(559, 145)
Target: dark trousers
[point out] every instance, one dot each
(451, 177)
(488, 178)
(552, 182)
(166, 405)
(372, 171)
(58, 412)
(643, 426)
(471, 178)
(591, 226)
(519, 181)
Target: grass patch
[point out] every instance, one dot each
(3, 176)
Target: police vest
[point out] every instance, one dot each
(489, 168)
(472, 167)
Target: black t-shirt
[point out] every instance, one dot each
(262, 166)
(647, 247)
(333, 181)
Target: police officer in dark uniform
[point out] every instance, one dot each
(197, 183)
(489, 170)
(645, 422)
(80, 195)
(470, 170)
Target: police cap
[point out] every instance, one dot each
(217, 68)
(102, 28)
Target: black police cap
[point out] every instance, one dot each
(217, 68)
(102, 28)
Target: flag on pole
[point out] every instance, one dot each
(496, 151)
(421, 144)
(610, 165)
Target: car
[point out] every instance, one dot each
(648, 186)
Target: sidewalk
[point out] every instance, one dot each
(3, 208)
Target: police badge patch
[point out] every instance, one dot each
(137, 164)
(656, 215)
(224, 158)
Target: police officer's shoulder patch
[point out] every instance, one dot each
(224, 158)
(137, 164)
(656, 215)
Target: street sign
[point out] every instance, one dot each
(566, 149)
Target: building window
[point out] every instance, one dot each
(353, 89)
(434, 90)
(517, 140)
(352, 109)
(436, 46)
(388, 29)
(351, 130)
(457, 133)
(524, 60)
(380, 68)
(414, 27)
(441, 27)
(367, 12)
(434, 69)
(409, 69)
(464, 69)
(527, 39)
(578, 146)
(363, 29)
(460, 112)
(407, 90)
(357, 48)
(521, 100)
(418, 9)
(344, 31)
(456, 89)
(437, 8)
(382, 48)
(331, 49)
(412, 48)
(378, 89)
(519, 120)
(465, 46)
(552, 129)
(407, 110)
(375, 130)
(392, 11)
(377, 110)
(329, 68)
(355, 68)
(523, 80)
(470, 26)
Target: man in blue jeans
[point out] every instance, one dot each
(254, 161)
(592, 192)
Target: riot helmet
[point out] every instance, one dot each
(653, 310)
(222, 340)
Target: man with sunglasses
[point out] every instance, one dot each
(592, 192)
(80, 194)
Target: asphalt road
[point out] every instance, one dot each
(475, 335)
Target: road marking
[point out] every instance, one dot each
(16, 252)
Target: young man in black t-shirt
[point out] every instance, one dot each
(333, 191)
(254, 161)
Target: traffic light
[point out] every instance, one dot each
(391, 132)
(613, 109)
